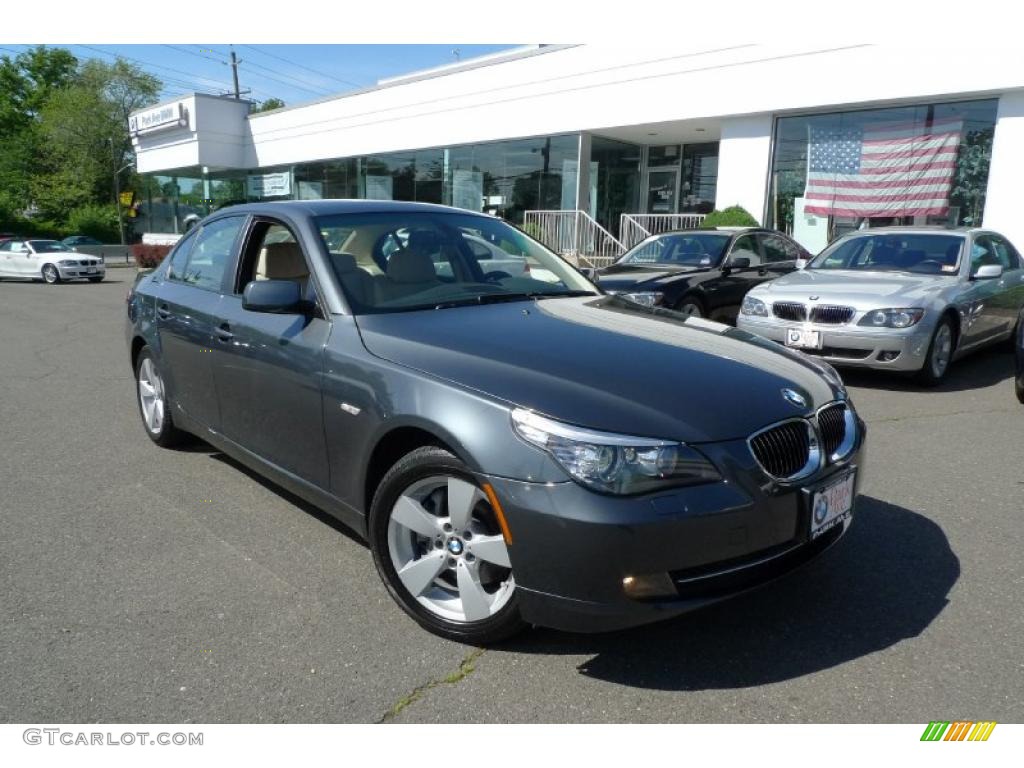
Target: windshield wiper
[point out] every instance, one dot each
(500, 298)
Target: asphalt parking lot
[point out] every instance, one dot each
(144, 585)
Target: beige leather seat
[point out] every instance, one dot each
(408, 272)
(283, 261)
(357, 283)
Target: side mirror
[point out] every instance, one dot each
(987, 272)
(801, 263)
(738, 262)
(281, 296)
(588, 272)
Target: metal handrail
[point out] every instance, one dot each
(635, 227)
(574, 235)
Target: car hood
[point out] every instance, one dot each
(627, 277)
(861, 289)
(608, 364)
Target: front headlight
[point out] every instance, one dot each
(752, 306)
(611, 463)
(68, 263)
(644, 298)
(892, 318)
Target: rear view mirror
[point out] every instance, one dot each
(987, 272)
(282, 296)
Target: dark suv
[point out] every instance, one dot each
(516, 448)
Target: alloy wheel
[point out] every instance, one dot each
(448, 550)
(50, 274)
(942, 350)
(151, 396)
(690, 309)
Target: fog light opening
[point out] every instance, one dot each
(648, 585)
(888, 355)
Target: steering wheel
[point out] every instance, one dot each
(495, 276)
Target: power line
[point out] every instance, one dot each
(302, 66)
(319, 92)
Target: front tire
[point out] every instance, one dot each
(691, 306)
(940, 354)
(439, 549)
(51, 275)
(152, 399)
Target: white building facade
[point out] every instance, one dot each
(811, 140)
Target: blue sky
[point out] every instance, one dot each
(295, 73)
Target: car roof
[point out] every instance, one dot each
(334, 207)
(918, 229)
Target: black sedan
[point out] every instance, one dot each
(705, 273)
(470, 425)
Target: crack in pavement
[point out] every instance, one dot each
(909, 417)
(466, 668)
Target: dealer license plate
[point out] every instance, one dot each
(803, 338)
(832, 504)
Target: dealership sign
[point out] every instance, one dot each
(270, 185)
(158, 118)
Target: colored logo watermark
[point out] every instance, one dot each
(959, 730)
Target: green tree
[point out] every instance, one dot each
(84, 128)
(269, 104)
(733, 216)
(27, 82)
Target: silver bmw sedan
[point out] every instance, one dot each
(900, 298)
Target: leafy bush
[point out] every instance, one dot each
(95, 220)
(733, 216)
(148, 256)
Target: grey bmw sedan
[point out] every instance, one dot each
(516, 449)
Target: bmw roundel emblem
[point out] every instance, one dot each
(820, 511)
(794, 397)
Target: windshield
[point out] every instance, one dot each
(890, 252)
(398, 262)
(680, 249)
(47, 246)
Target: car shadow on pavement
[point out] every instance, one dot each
(985, 368)
(884, 582)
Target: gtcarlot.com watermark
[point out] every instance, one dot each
(58, 736)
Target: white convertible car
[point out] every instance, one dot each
(48, 260)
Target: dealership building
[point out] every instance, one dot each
(595, 147)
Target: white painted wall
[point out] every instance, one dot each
(744, 153)
(1004, 199)
(215, 136)
(589, 88)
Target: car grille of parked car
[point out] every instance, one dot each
(794, 449)
(832, 426)
(788, 310)
(829, 315)
(89, 262)
(784, 451)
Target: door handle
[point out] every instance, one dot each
(163, 312)
(223, 333)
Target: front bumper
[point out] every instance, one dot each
(572, 548)
(81, 273)
(852, 345)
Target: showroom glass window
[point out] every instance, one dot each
(918, 164)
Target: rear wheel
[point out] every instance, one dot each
(152, 397)
(439, 549)
(940, 354)
(51, 274)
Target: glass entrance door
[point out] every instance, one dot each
(662, 190)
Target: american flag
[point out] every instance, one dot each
(897, 169)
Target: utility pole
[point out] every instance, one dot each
(234, 73)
